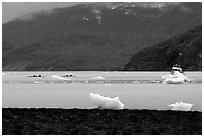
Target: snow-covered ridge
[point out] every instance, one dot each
(127, 8)
(157, 5)
(132, 8)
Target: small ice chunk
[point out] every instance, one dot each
(163, 77)
(106, 102)
(181, 106)
(55, 76)
(107, 84)
(37, 82)
(98, 77)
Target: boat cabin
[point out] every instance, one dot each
(68, 75)
(176, 68)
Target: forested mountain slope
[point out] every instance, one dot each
(92, 36)
(185, 49)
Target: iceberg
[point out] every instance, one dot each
(181, 106)
(106, 102)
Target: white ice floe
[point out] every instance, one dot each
(37, 82)
(98, 77)
(58, 77)
(181, 106)
(106, 102)
(176, 78)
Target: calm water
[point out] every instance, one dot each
(137, 90)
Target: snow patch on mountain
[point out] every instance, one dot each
(98, 15)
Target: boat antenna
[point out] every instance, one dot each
(179, 57)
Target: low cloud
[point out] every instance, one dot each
(26, 10)
(100, 5)
(32, 16)
(186, 9)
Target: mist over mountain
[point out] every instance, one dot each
(93, 36)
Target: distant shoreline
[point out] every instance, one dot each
(92, 70)
(56, 121)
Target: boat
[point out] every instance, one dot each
(68, 75)
(36, 75)
(177, 76)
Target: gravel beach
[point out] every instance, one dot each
(56, 121)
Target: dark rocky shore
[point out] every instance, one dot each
(43, 121)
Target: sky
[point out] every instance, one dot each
(12, 10)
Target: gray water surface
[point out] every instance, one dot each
(137, 90)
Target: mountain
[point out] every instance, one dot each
(185, 49)
(97, 36)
